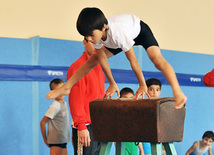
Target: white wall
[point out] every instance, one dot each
(178, 25)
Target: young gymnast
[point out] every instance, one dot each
(119, 33)
(57, 118)
(200, 147)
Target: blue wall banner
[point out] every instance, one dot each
(31, 73)
(47, 73)
(128, 76)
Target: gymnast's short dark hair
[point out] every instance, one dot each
(55, 81)
(208, 134)
(153, 81)
(90, 18)
(125, 91)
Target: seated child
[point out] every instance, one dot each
(200, 147)
(57, 118)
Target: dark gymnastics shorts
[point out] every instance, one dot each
(145, 38)
(64, 145)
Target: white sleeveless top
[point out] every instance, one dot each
(198, 151)
(122, 30)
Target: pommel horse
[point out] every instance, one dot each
(144, 120)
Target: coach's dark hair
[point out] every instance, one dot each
(55, 81)
(153, 81)
(90, 19)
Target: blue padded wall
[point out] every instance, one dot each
(24, 103)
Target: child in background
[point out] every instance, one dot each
(57, 118)
(200, 147)
(154, 90)
(154, 87)
(130, 147)
(119, 33)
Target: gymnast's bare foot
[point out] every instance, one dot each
(57, 92)
(180, 100)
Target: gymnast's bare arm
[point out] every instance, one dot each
(107, 70)
(142, 90)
